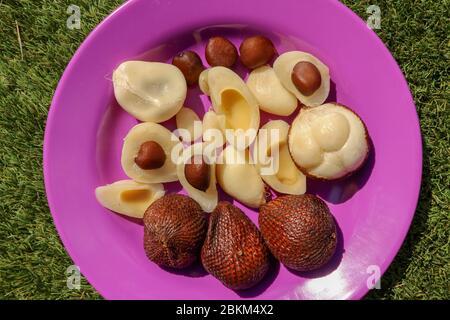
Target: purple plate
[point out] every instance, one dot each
(85, 128)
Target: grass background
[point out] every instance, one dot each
(32, 259)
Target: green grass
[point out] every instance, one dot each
(32, 259)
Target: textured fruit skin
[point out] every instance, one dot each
(234, 251)
(174, 230)
(299, 231)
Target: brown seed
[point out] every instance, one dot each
(220, 52)
(256, 51)
(150, 156)
(190, 65)
(197, 173)
(306, 77)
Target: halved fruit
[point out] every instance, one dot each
(149, 91)
(272, 97)
(329, 141)
(129, 197)
(312, 75)
(240, 178)
(231, 97)
(139, 137)
(197, 175)
(188, 120)
(275, 165)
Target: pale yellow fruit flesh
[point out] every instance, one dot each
(236, 109)
(149, 131)
(186, 119)
(283, 67)
(231, 97)
(149, 91)
(129, 197)
(206, 199)
(239, 178)
(287, 172)
(272, 97)
(213, 127)
(328, 141)
(288, 178)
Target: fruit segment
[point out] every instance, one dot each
(141, 134)
(231, 97)
(198, 176)
(274, 162)
(284, 67)
(188, 120)
(329, 141)
(272, 97)
(240, 178)
(149, 91)
(129, 197)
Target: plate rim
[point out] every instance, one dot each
(359, 292)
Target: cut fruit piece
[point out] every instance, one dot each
(274, 162)
(329, 141)
(149, 91)
(239, 178)
(231, 97)
(136, 137)
(203, 82)
(272, 97)
(189, 175)
(284, 67)
(129, 197)
(187, 119)
(213, 128)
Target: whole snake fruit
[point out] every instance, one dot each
(299, 231)
(234, 251)
(174, 229)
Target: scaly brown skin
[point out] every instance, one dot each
(174, 229)
(348, 174)
(299, 231)
(234, 251)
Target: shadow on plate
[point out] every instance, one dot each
(396, 272)
(332, 96)
(265, 283)
(196, 270)
(342, 190)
